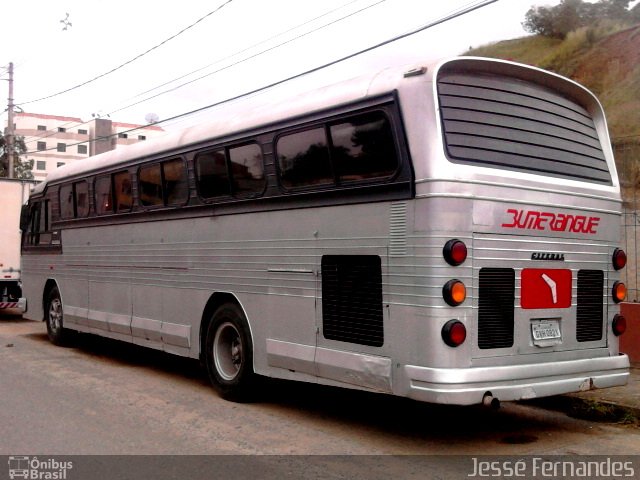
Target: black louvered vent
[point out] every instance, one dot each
(590, 317)
(352, 299)
(495, 307)
(503, 122)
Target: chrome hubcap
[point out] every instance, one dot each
(55, 314)
(227, 351)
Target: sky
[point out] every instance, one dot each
(139, 58)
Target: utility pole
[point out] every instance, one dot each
(10, 137)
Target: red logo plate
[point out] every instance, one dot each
(545, 288)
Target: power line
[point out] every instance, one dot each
(235, 54)
(246, 58)
(455, 14)
(133, 59)
(53, 132)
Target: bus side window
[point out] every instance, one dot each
(150, 185)
(33, 236)
(175, 186)
(303, 159)
(103, 198)
(363, 147)
(45, 223)
(66, 201)
(122, 191)
(247, 169)
(81, 193)
(212, 174)
(38, 231)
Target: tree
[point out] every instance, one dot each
(635, 13)
(20, 169)
(23, 170)
(569, 15)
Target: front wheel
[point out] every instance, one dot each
(229, 353)
(58, 335)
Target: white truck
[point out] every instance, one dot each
(13, 195)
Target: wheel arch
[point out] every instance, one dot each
(215, 301)
(48, 286)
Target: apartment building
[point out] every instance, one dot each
(53, 141)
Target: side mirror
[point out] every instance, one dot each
(24, 218)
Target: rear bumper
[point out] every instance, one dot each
(468, 386)
(19, 306)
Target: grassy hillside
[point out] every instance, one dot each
(604, 58)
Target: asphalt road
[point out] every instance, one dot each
(101, 397)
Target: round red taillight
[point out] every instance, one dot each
(619, 292)
(619, 325)
(619, 259)
(454, 292)
(454, 333)
(454, 252)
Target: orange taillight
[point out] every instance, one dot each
(619, 292)
(454, 292)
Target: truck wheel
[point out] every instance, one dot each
(58, 335)
(229, 354)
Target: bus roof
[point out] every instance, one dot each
(273, 105)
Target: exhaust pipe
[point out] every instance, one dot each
(490, 401)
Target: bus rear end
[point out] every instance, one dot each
(520, 207)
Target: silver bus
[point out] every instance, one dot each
(448, 232)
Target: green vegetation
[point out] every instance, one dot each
(571, 15)
(605, 58)
(598, 46)
(22, 168)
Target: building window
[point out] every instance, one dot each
(142, 137)
(82, 131)
(62, 147)
(82, 149)
(41, 165)
(60, 164)
(42, 146)
(123, 135)
(42, 128)
(62, 129)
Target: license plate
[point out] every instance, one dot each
(546, 330)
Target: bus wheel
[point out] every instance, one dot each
(58, 335)
(229, 353)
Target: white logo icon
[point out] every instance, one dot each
(552, 285)
(18, 467)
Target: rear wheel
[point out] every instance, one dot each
(58, 335)
(229, 353)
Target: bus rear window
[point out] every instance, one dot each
(501, 122)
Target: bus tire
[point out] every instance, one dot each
(229, 354)
(58, 335)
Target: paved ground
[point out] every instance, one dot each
(623, 401)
